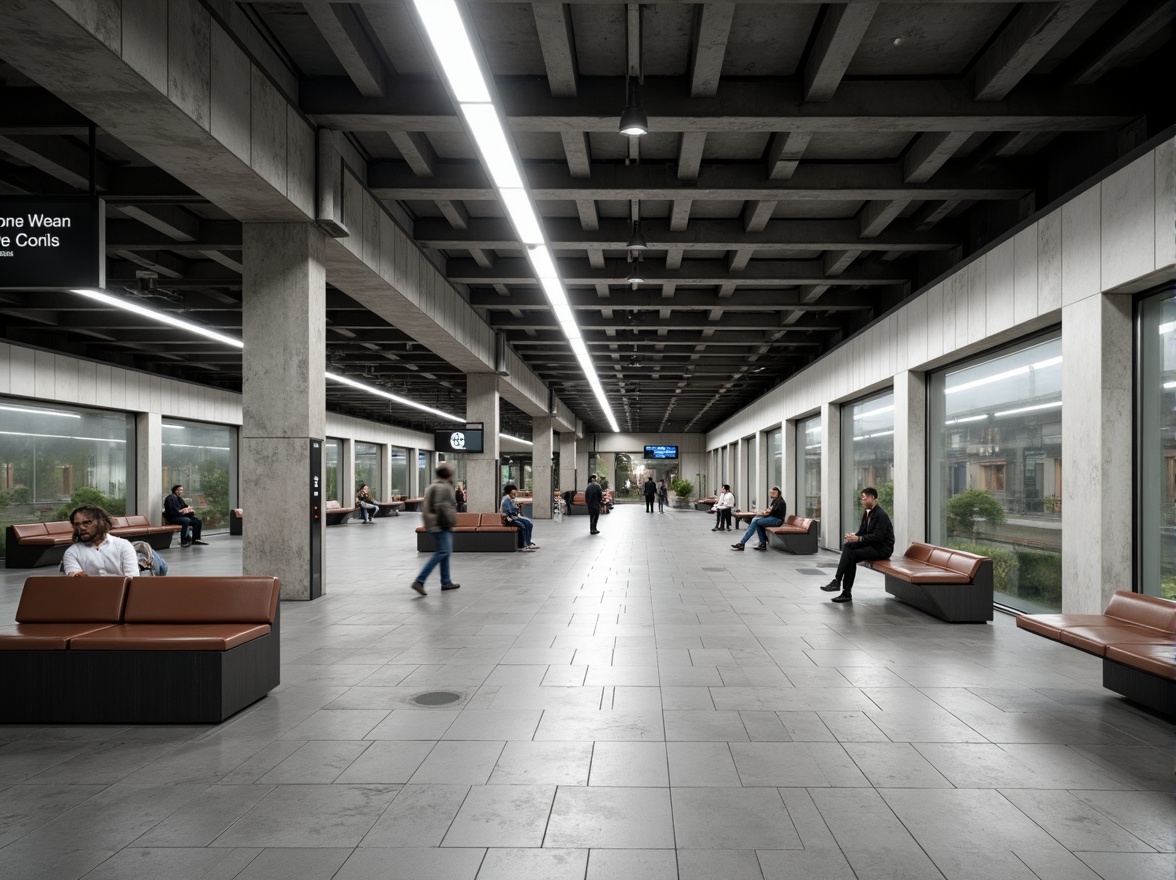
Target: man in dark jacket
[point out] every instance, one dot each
(593, 498)
(180, 513)
(874, 539)
(439, 515)
(772, 516)
(649, 489)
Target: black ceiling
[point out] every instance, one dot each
(808, 167)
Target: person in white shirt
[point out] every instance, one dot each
(95, 551)
(724, 509)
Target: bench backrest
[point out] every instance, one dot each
(953, 560)
(72, 600)
(578, 498)
(333, 505)
(802, 522)
(135, 520)
(472, 520)
(59, 528)
(202, 600)
(118, 522)
(490, 519)
(28, 530)
(1142, 610)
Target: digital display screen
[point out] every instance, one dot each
(661, 451)
(458, 440)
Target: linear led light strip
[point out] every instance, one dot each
(451, 45)
(164, 318)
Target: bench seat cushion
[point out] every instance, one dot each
(73, 601)
(1156, 659)
(482, 529)
(1053, 625)
(47, 540)
(44, 636)
(786, 530)
(917, 572)
(1095, 639)
(170, 637)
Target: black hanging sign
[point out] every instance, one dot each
(52, 244)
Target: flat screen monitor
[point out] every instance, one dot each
(661, 451)
(458, 440)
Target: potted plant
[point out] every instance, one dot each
(682, 490)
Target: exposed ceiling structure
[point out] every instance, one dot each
(808, 166)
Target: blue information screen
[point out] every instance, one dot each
(661, 451)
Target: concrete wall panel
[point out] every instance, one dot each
(231, 113)
(144, 40)
(189, 59)
(976, 295)
(1000, 298)
(1128, 218)
(1025, 275)
(267, 124)
(1165, 202)
(1081, 247)
(1049, 263)
(300, 162)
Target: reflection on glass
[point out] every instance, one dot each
(367, 468)
(996, 468)
(202, 458)
(775, 461)
(54, 457)
(424, 472)
(631, 470)
(867, 455)
(808, 467)
(331, 473)
(398, 463)
(1156, 380)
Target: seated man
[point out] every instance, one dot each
(514, 517)
(874, 539)
(178, 512)
(772, 516)
(95, 552)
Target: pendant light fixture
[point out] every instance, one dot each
(634, 122)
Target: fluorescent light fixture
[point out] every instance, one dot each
(543, 263)
(61, 437)
(563, 314)
(174, 428)
(556, 293)
(41, 412)
(876, 434)
(1169, 386)
(515, 439)
(486, 128)
(196, 446)
(580, 349)
(875, 412)
(1007, 374)
(404, 401)
(1167, 327)
(966, 419)
(522, 215)
(1024, 409)
(162, 317)
(450, 41)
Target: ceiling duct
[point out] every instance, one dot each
(500, 354)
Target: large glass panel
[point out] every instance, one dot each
(995, 476)
(775, 461)
(867, 456)
(53, 458)
(398, 462)
(808, 467)
(367, 467)
(424, 471)
(1156, 383)
(632, 468)
(202, 458)
(332, 472)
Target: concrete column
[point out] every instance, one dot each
(910, 459)
(791, 489)
(149, 490)
(831, 476)
(541, 457)
(385, 472)
(1096, 451)
(347, 487)
(567, 462)
(581, 479)
(415, 489)
(283, 398)
(482, 477)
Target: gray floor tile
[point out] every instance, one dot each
(1131, 866)
(732, 818)
(458, 763)
(387, 761)
(1148, 815)
(493, 724)
(175, 863)
(369, 863)
(310, 815)
(337, 724)
(616, 726)
(611, 818)
(895, 765)
(708, 864)
(632, 864)
(25, 807)
(815, 864)
(777, 764)
(315, 762)
(543, 763)
(424, 724)
(206, 816)
(1074, 823)
(701, 764)
(303, 863)
(534, 864)
(502, 816)
(641, 764)
(704, 725)
(419, 816)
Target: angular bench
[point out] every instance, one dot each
(1135, 636)
(475, 533)
(111, 650)
(579, 504)
(33, 545)
(705, 504)
(798, 534)
(414, 505)
(950, 584)
(389, 508)
(337, 515)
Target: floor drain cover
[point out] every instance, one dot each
(815, 571)
(436, 698)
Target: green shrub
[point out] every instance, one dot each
(96, 497)
(21, 495)
(682, 488)
(1005, 565)
(1168, 587)
(973, 503)
(1041, 575)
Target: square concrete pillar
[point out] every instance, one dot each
(1097, 474)
(831, 476)
(283, 400)
(415, 489)
(541, 457)
(790, 489)
(482, 474)
(581, 478)
(567, 463)
(347, 487)
(910, 459)
(149, 490)
(385, 487)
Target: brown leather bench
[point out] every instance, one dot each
(389, 508)
(1135, 636)
(414, 504)
(475, 533)
(705, 504)
(798, 534)
(236, 521)
(579, 505)
(336, 515)
(32, 545)
(950, 584)
(110, 650)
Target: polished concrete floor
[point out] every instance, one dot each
(642, 704)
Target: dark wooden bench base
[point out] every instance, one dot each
(473, 542)
(955, 603)
(1157, 694)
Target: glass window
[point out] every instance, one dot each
(775, 460)
(424, 471)
(1156, 384)
(55, 457)
(332, 472)
(398, 462)
(203, 459)
(995, 480)
(808, 468)
(867, 456)
(367, 467)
